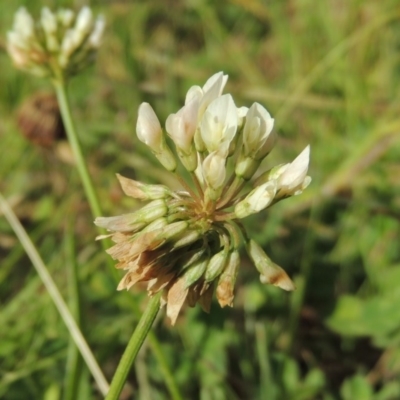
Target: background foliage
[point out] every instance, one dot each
(329, 72)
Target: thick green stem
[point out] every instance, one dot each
(133, 347)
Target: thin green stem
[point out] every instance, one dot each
(55, 295)
(65, 110)
(133, 347)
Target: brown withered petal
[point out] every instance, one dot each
(160, 282)
(278, 277)
(176, 299)
(225, 294)
(39, 119)
(205, 299)
(131, 188)
(128, 249)
(120, 223)
(128, 280)
(194, 294)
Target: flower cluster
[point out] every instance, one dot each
(186, 243)
(59, 43)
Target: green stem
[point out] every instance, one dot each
(65, 110)
(133, 347)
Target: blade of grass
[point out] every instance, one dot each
(55, 295)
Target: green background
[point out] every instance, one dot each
(329, 73)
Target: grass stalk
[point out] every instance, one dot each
(55, 295)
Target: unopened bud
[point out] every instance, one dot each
(214, 170)
(152, 211)
(195, 272)
(216, 266)
(148, 127)
(174, 230)
(258, 140)
(186, 239)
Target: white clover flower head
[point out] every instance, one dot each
(185, 243)
(58, 45)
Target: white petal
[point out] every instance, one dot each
(296, 172)
(97, 33)
(214, 170)
(212, 90)
(148, 128)
(219, 123)
(84, 21)
(23, 23)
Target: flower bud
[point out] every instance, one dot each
(156, 225)
(186, 239)
(152, 211)
(270, 272)
(148, 128)
(216, 265)
(84, 23)
(258, 199)
(97, 33)
(195, 271)
(214, 170)
(49, 24)
(171, 231)
(258, 140)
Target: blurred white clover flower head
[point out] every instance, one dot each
(59, 44)
(186, 243)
